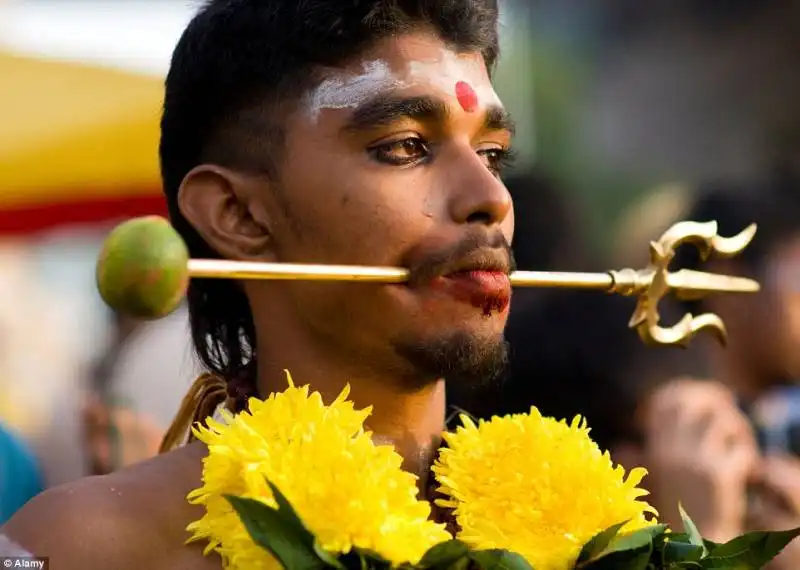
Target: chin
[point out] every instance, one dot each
(468, 356)
(482, 327)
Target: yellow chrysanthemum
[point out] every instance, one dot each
(539, 487)
(348, 491)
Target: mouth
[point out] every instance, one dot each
(481, 282)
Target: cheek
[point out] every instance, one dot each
(354, 214)
(383, 220)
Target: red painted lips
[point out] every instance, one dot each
(486, 290)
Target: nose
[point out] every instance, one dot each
(478, 196)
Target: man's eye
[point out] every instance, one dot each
(497, 159)
(401, 152)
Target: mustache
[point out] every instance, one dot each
(477, 251)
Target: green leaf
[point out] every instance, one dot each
(328, 558)
(710, 545)
(677, 537)
(630, 551)
(691, 530)
(631, 559)
(677, 551)
(749, 551)
(444, 554)
(599, 542)
(272, 530)
(499, 560)
(636, 539)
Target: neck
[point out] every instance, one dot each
(410, 420)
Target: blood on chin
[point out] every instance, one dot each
(460, 296)
(433, 302)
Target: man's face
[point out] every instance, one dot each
(393, 161)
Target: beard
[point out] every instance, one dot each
(473, 368)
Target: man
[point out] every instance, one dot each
(764, 329)
(322, 131)
(139, 383)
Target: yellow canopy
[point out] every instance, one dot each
(72, 133)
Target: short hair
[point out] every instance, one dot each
(234, 70)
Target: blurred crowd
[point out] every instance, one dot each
(718, 428)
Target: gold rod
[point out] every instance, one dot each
(649, 284)
(689, 282)
(224, 269)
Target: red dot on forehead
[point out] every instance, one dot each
(466, 96)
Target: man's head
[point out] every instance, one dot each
(359, 132)
(764, 329)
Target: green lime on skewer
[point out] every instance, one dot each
(142, 270)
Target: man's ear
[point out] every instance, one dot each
(222, 207)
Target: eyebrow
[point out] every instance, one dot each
(387, 109)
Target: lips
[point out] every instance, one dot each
(488, 290)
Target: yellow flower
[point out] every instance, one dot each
(348, 491)
(536, 486)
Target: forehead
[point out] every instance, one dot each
(409, 62)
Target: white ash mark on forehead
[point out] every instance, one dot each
(344, 90)
(447, 70)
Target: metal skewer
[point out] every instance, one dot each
(649, 284)
(684, 280)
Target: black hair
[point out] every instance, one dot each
(233, 73)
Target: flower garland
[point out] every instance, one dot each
(573, 487)
(298, 484)
(349, 492)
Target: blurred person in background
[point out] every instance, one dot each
(761, 364)
(764, 329)
(137, 388)
(571, 352)
(20, 474)
(649, 406)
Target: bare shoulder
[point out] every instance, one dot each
(135, 518)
